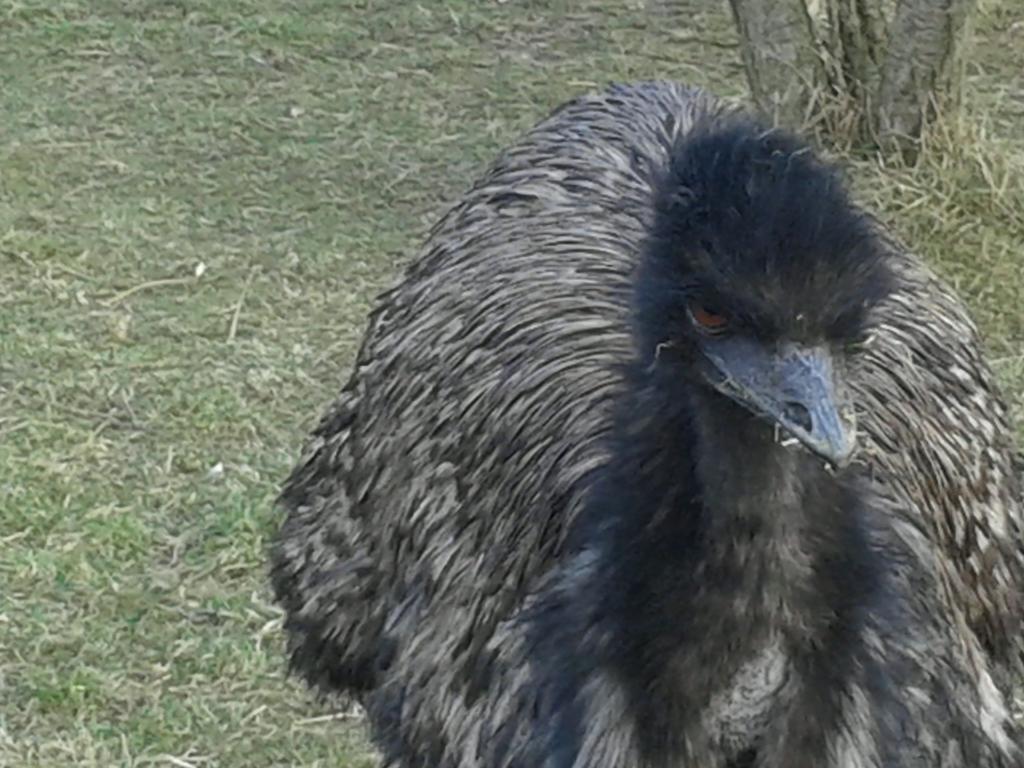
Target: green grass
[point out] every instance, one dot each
(198, 200)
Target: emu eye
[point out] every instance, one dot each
(707, 319)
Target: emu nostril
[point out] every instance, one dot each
(798, 414)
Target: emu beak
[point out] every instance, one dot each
(795, 387)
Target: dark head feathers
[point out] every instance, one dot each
(751, 221)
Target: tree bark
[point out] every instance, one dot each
(864, 71)
(923, 70)
(779, 56)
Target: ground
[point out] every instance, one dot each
(198, 201)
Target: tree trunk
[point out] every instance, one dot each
(865, 71)
(923, 71)
(782, 68)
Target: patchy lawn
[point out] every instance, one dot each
(198, 201)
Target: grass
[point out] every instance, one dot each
(198, 200)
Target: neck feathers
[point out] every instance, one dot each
(698, 494)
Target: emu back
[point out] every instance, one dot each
(433, 500)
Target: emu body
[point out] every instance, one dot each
(548, 521)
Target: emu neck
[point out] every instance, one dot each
(772, 516)
(745, 474)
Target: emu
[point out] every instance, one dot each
(662, 453)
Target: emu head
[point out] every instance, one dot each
(759, 276)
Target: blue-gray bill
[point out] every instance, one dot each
(794, 386)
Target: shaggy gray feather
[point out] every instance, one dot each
(433, 498)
